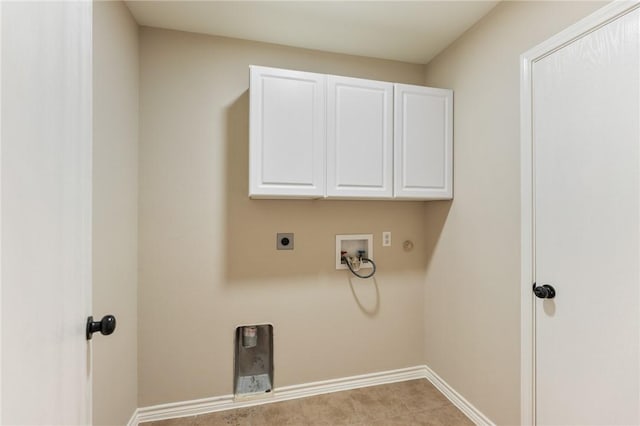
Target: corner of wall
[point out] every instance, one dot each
(115, 210)
(472, 307)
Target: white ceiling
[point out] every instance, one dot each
(410, 31)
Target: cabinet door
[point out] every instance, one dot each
(359, 138)
(287, 134)
(423, 143)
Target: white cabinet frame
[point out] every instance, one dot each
(315, 135)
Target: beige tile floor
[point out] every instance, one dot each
(414, 402)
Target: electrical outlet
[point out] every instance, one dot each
(386, 239)
(284, 241)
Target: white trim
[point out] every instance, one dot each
(134, 420)
(87, 188)
(227, 402)
(526, 251)
(456, 399)
(583, 27)
(0, 212)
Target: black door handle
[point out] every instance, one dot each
(544, 291)
(105, 326)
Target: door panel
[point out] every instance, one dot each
(359, 138)
(423, 142)
(587, 228)
(46, 212)
(286, 133)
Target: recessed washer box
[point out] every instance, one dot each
(352, 244)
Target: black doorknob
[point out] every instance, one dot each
(544, 291)
(105, 326)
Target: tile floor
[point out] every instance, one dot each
(414, 402)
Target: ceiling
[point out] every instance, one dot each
(409, 31)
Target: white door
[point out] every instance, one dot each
(286, 141)
(45, 212)
(359, 138)
(586, 153)
(423, 142)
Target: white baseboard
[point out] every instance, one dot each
(456, 399)
(133, 421)
(227, 402)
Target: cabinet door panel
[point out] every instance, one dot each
(359, 138)
(423, 142)
(286, 134)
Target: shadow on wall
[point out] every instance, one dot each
(251, 225)
(368, 306)
(436, 213)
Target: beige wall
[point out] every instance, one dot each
(207, 252)
(115, 210)
(472, 295)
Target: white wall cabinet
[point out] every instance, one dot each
(314, 136)
(287, 134)
(423, 142)
(359, 138)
